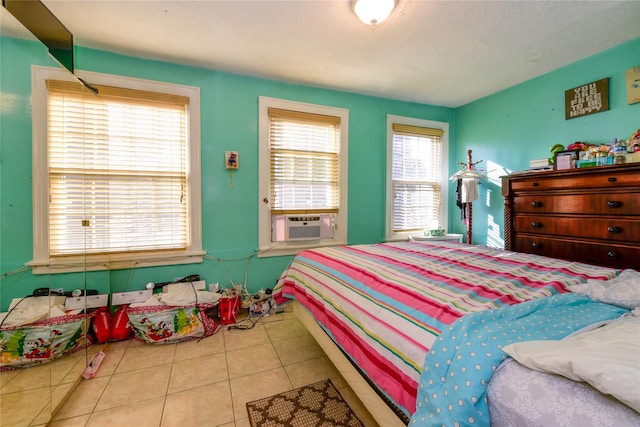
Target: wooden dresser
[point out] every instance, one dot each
(590, 215)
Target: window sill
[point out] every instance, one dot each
(423, 238)
(114, 262)
(283, 249)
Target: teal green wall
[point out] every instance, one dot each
(505, 130)
(15, 165)
(229, 110)
(511, 127)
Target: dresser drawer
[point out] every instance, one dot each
(611, 229)
(599, 204)
(590, 178)
(611, 255)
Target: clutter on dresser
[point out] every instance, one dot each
(618, 151)
(540, 164)
(585, 154)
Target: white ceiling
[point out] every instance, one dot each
(444, 53)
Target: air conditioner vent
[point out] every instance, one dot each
(286, 228)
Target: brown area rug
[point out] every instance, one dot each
(314, 405)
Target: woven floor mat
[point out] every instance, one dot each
(314, 405)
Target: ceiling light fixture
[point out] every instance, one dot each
(373, 12)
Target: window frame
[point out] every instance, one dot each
(42, 263)
(390, 235)
(266, 246)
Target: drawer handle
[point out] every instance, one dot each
(536, 204)
(612, 179)
(613, 254)
(534, 184)
(536, 245)
(614, 204)
(536, 224)
(614, 230)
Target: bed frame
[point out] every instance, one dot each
(377, 407)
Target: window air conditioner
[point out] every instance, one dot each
(288, 228)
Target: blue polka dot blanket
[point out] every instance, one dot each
(457, 369)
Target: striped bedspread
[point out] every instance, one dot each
(385, 304)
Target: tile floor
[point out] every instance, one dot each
(201, 383)
(25, 394)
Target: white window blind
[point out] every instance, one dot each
(416, 177)
(118, 163)
(304, 151)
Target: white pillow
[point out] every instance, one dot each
(608, 358)
(623, 291)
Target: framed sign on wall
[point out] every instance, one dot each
(587, 99)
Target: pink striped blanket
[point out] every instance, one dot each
(385, 304)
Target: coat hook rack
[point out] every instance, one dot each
(467, 191)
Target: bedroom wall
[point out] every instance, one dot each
(229, 110)
(505, 130)
(521, 123)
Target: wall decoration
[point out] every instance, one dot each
(232, 162)
(566, 159)
(633, 84)
(231, 159)
(587, 99)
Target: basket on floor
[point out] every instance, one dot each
(169, 324)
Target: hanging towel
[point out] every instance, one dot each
(469, 190)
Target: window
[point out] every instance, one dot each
(116, 176)
(303, 162)
(416, 176)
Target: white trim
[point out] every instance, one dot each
(444, 177)
(115, 262)
(41, 263)
(266, 247)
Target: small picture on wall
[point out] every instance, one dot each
(566, 159)
(231, 159)
(632, 76)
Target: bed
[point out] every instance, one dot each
(379, 309)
